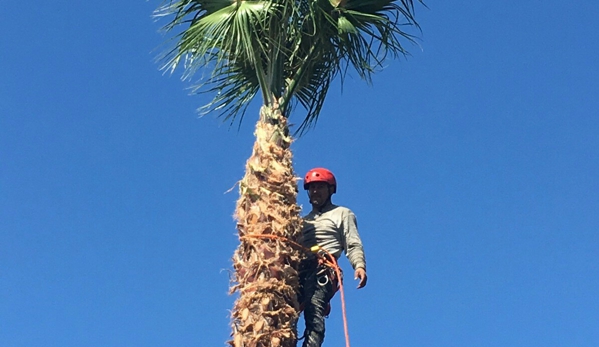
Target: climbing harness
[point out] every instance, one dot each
(328, 260)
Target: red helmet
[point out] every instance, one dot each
(320, 175)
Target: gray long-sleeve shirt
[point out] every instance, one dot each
(335, 229)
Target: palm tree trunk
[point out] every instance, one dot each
(265, 263)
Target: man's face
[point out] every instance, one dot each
(318, 192)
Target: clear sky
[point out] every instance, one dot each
(472, 166)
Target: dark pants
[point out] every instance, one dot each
(316, 291)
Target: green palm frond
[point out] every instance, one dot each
(226, 27)
(234, 86)
(347, 35)
(225, 36)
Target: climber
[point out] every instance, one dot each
(334, 229)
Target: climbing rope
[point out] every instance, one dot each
(325, 258)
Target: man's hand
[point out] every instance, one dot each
(361, 274)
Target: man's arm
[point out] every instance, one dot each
(353, 248)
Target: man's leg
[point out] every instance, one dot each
(316, 297)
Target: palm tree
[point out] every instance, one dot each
(289, 52)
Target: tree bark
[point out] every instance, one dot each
(268, 222)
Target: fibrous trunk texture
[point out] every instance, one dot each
(265, 263)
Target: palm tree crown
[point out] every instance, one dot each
(289, 50)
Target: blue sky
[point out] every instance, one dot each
(472, 166)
